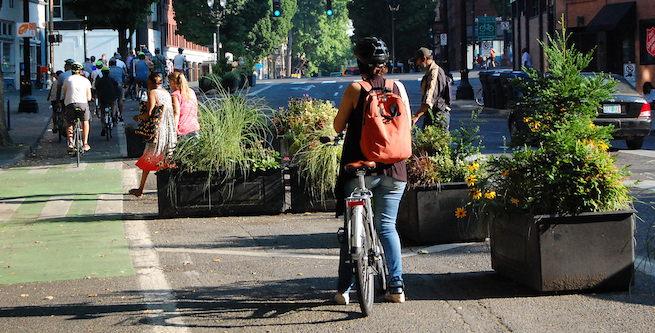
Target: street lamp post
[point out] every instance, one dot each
(394, 6)
(218, 15)
(464, 90)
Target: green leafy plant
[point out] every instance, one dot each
(302, 124)
(235, 135)
(442, 157)
(570, 171)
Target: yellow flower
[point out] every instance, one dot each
(592, 126)
(473, 167)
(602, 145)
(460, 213)
(505, 173)
(490, 195)
(527, 120)
(471, 179)
(534, 126)
(476, 194)
(514, 201)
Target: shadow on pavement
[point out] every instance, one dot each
(247, 304)
(325, 240)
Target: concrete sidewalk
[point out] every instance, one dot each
(26, 129)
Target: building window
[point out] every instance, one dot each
(6, 59)
(11, 3)
(57, 10)
(6, 28)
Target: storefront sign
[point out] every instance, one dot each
(26, 29)
(647, 42)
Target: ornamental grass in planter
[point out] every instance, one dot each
(437, 185)
(314, 165)
(562, 217)
(230, 168)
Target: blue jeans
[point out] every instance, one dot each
(387, 193)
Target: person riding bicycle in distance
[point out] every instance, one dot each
(76, 92)
(108, 92)
(387, 182)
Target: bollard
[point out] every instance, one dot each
(8, 116)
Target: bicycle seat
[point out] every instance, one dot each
(360, 165)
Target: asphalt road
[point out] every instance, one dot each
(278, 273)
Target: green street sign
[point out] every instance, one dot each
(486, 27)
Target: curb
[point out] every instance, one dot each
(22, 154)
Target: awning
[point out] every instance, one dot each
(613, 16)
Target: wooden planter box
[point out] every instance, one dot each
(135, 144)
(260, 193)
(302, 201)
(427, 216)
(559, 253)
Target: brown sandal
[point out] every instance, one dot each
(136, 192)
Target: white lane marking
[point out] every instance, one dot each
(157, 293)
(436, 249)
(645, 265)
(254, 93)
(122, 143)
(263, 253)
(646, 153)
(327, 82)
(8, 208)
(341, 86)
(73, 167)
(335, 94)
(109, 204)
(38, 171)
(419, 79)
(56, 208)
(280, 254)
(648, 185)
(301, 82)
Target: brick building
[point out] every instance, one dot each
(620, 31)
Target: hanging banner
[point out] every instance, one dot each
(26, 30)
(647, 42)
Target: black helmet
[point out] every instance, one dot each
(371, 51)
(69, 61)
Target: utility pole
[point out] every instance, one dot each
(464, 90)
(27, 101)
(394, 6)
(51, 46)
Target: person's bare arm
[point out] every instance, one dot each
(89, 96)
(176, 110)
(152, 101)
(427, 100)
(348, 104)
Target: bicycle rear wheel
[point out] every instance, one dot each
(78, 141)
(364, 272)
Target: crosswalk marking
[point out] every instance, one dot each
(37, 171)
(56, 207)
(8, 208)
(327, 82)
(109, 204)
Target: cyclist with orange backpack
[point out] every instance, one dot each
(376, 114)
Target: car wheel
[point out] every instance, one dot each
(635, 143)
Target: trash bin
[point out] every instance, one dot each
(484, 80)
(512, 89)
(494, 90)
(502, 99)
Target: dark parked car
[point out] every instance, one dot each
(627, 110)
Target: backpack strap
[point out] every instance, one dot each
(388, 85)
(366, 85)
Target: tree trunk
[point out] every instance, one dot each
(122, 42)
(5, 139)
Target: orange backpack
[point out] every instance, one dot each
(386, 129)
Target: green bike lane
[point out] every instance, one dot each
(57, 223)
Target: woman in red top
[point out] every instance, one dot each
(185, 105)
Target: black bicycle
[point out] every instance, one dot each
(78, 143)
(58, 121)
(108, 120)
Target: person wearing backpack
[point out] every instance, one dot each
(376, 116)
(435, 91)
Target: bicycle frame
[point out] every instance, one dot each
(360, 199)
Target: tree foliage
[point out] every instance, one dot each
(247, 28)
(324, 40)
(121, 15)
(413, 22)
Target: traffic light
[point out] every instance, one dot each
(277, 8)
(328, 8)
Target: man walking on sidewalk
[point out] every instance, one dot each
(435, 91)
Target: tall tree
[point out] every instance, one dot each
(247, 28)
(120, 15)
(323, 39)
(413, 22)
